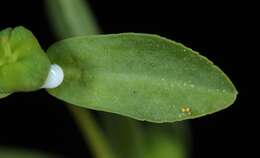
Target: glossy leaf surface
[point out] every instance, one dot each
(142, 76)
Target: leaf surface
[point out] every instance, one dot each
(142, 76)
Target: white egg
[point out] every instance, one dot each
(55, 77)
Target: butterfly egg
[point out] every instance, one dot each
(55, 77)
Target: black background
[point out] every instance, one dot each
(216, 29)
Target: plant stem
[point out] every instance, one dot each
(91, 132)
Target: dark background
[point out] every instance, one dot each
(216, 29)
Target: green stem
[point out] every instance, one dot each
(91, 132)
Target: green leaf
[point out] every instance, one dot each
(23, 64)
(142, 76)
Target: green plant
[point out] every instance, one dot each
(142, 76)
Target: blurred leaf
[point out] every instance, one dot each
(142, 76)
(167, 140)
(125, 135)
(130, 138)
(70, 18)
(22, 153)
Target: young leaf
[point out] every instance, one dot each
(142, 76)
(23, 64)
